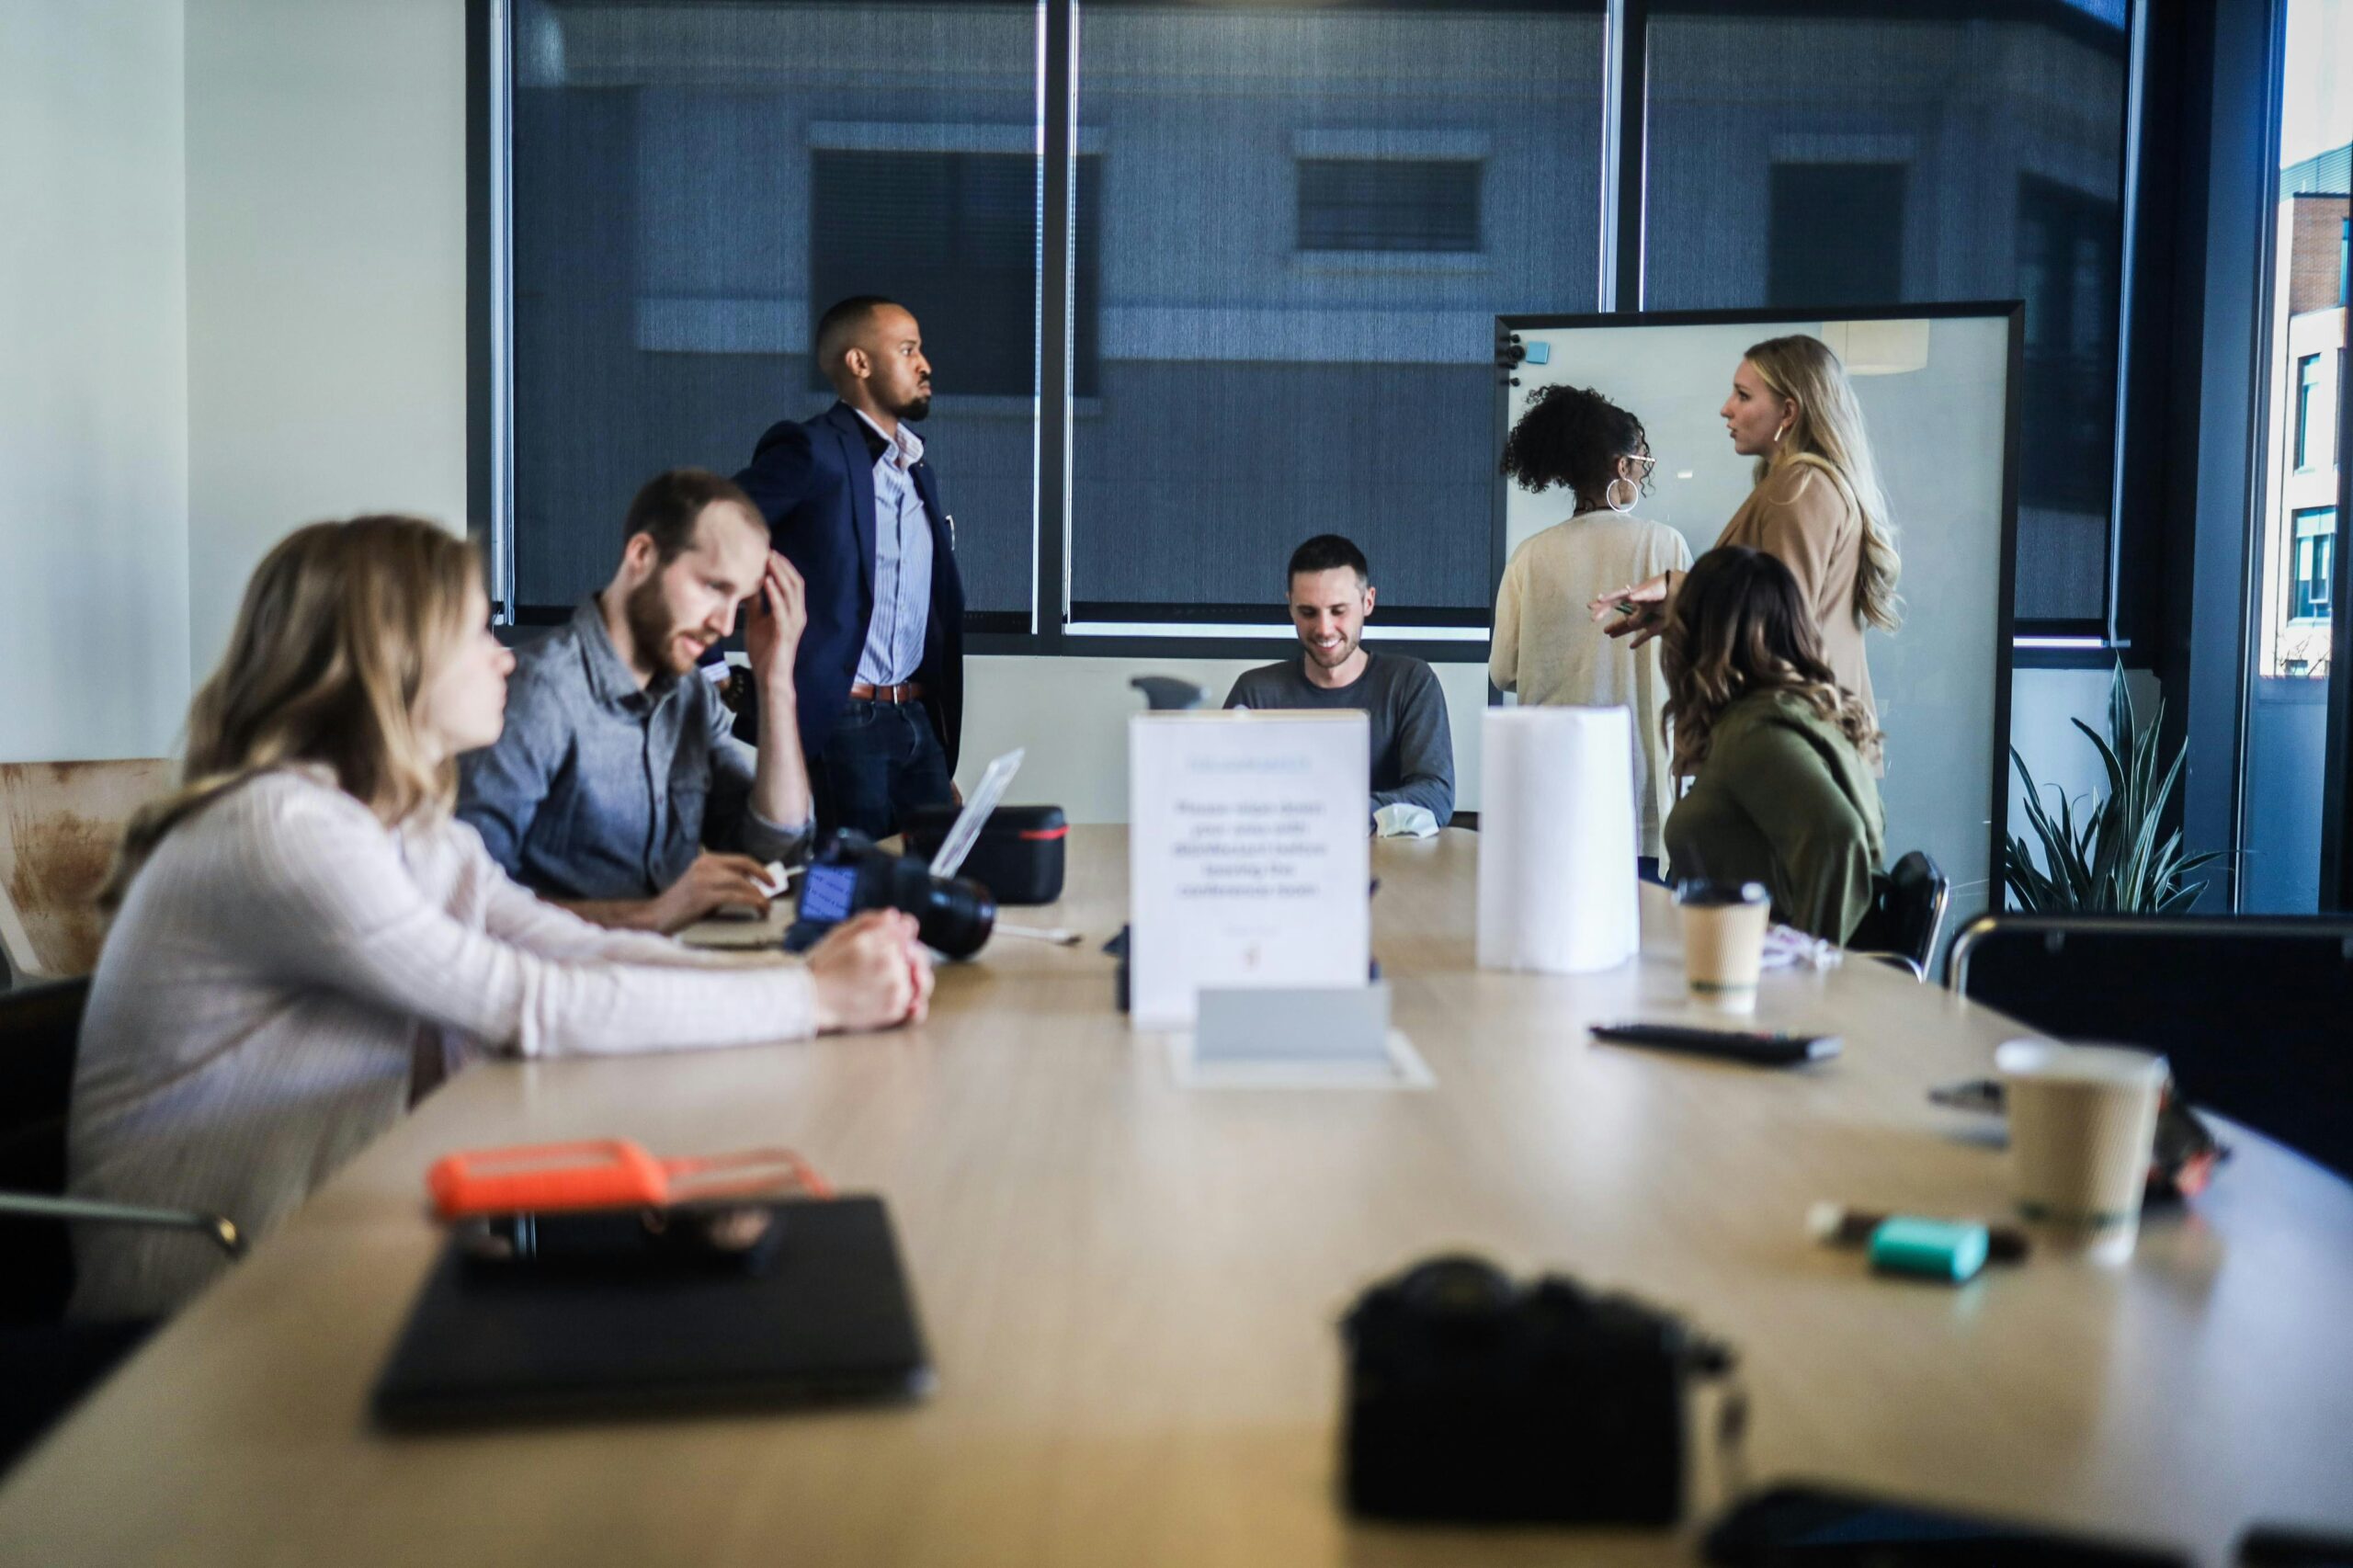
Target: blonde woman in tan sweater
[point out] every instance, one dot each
(1817, 507)
(1543, 647)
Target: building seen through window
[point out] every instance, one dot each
(1292, 227)
(1817, 153)
(2295, 552)
(694, 182)
(1311, 216)
(954, 236)
(2298, 522)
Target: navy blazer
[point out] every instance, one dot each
(814, 484)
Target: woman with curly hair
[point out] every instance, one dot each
(1784, 793)
(1544, 648)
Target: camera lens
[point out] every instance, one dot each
(956, 917)
(952, 917)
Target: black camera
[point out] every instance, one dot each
(1474, 1398)
(953, 916)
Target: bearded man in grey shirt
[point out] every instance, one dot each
(616, 787)
(1330, 595)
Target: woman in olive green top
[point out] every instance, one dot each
(1783, 793)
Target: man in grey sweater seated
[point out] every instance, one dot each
(1331, 596)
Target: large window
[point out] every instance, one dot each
(1200, 278)
(694, 182)
(1819, 153)
(2297, 564)
(1311, 215)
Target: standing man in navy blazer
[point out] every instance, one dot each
(850, 501)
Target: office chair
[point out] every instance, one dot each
(46, 1362)
(1907, 912)
(2253, 1014)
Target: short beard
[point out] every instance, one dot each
(1333, 661)
(650, 626)
(914, 409)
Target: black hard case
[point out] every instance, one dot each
(1018, 857)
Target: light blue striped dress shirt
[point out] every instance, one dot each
(901, 564)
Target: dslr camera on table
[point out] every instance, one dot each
(1008, 855)
(1475, 1397)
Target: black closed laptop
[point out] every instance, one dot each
(828, 1317)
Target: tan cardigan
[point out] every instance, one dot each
(1805, 519)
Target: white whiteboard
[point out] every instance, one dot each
(1935, 394)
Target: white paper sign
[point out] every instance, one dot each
(1247, 857)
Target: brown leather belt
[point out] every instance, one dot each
(905, 691)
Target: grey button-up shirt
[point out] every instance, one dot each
(893, 648)
(598, 789)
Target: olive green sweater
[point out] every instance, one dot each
(1783, 799)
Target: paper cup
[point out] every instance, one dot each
(2083, 1119)
(1723, 941)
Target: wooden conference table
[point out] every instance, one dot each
(1130, 1290)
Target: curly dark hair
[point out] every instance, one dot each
(1573, 436)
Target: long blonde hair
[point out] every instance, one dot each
(1827, 433)
(341, 626)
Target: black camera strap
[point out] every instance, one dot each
(1732, 1439)
(1713, 1362)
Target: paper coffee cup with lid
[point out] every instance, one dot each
(2083, 1119)
(1723, 941)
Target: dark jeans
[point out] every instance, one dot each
(880, 761)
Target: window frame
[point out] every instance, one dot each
(1050, 626)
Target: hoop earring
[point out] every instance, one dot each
(1609, 496)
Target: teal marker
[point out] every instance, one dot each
(1934, 1249)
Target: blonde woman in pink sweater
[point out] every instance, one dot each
(304, 940)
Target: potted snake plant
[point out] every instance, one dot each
(2115, 858)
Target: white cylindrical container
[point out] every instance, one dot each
(1557, 840)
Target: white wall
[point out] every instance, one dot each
(93, 602)
(1071, 716)
(326, 277)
